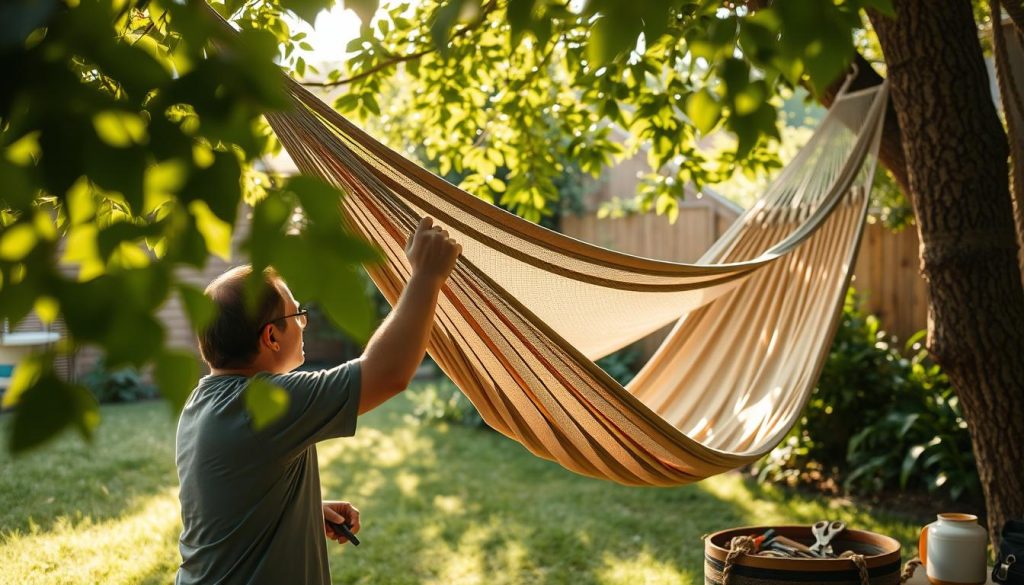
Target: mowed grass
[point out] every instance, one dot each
(440, 504)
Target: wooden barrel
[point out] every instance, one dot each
(881, 558)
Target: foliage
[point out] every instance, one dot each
(441, 400)
(125, 151)
(527, 83)
(798, 118)
(621, 365)
(878, 420)
(888, 203)
(120, 385)
(125, 136)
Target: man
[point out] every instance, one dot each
(250, 500)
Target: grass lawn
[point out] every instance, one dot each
(440, 504)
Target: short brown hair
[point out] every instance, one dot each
(231, 340)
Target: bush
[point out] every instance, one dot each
(121, 385)
(621, 365)
(878, 420)
(443, 401)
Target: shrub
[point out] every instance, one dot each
(878, 420)
(120, 385)
(443, 401)
(621, 365)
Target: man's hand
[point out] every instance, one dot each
(340, 513)
(431, 252)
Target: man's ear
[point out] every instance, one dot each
(268, 339)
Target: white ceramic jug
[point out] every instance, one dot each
(952, 550)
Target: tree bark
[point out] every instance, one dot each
(956, 153)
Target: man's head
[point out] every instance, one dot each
(262, 334)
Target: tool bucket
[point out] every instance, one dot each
(877, 561)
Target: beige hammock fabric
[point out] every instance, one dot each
(527, 310)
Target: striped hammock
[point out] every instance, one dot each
(528, 310)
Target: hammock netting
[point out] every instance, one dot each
(527, 310)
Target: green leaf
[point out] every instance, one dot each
(176, 373)
(17, 241)
(18, 191)
(216, 233)
(319, 200)
(736, 75)
(133, 337)
(47, 308)
(347, 304)
(49, 406)
(119, 128)
(749, 99)
(23, 151)
(199, 307)
(722, 34)
(266, 402)
(371, 103)
(364, 9)
(444, 20)
(26, 374)
(268, 219)
(324, 270)
(703, 110)
(218, 185)
(306, 9)
(110, 237)
(909, 463)
(611, 36)
(121, 170)
(520, 18)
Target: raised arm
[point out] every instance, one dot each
(397, 347)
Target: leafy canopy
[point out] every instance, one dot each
(499, 93)
(125, 137)
(122, 132)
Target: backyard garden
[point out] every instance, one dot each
(799, 297)
(441, 503)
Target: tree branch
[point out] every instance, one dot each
(410, 57)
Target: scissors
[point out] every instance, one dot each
(824, 531)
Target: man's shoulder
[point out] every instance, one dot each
(345, 373)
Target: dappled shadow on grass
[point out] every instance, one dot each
(440, 504)
(449, 504)
(130, 460)
(135, 547)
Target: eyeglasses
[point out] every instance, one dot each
(301, 314)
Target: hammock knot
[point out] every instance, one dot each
(739, 545)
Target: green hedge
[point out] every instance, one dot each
(879, 418)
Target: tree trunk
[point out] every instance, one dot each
(956, 153)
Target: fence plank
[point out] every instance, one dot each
(886, 272)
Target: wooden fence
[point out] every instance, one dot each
(886, 273)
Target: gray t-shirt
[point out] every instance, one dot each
(250, 500)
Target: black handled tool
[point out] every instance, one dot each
(344, 530)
